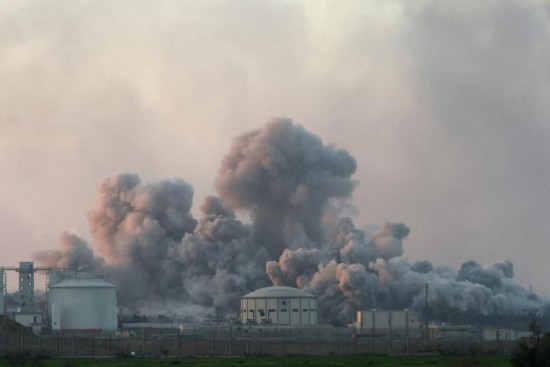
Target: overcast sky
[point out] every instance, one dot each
(444, 104)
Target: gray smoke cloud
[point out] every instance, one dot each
(73, 253)
(146, 241)
(285, 176)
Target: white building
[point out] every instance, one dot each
(81, 302)
(382, 322)
(279, 305)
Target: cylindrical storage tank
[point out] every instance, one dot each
(83, 305)
(279, 305)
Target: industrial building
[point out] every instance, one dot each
(280, 306)
(381, 322)
(76, 300)
(26, 314)
(79, 301)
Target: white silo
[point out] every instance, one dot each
(279, 305)
(82, 303)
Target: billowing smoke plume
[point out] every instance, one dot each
(284, 176)
(290, 183)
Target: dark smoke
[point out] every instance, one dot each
(291, 184)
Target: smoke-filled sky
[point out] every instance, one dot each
(444, 106)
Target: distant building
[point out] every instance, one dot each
(382, 322)
(279, 305)
(505, 334)
(453, 332)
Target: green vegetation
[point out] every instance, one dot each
(271, 361)
(534, 352)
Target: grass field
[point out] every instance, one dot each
(272, 361)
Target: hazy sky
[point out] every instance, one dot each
(444, 104)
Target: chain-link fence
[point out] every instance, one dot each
(195, 340)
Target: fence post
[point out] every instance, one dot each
(160, 343)
(196, 344)
(407, 340)
(318, 341)
(143, 342)
(372, 344)
(213, 347)
(230, 340)
(196, 340)
(498, 341)
(178, 341)
(22, 342)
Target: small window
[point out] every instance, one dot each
(304, 310)
(271, 310)
(283, 309)
(251, 310)
(312, 310)
(284, 303)
(262, 313)
(260, 310)
(294, 310)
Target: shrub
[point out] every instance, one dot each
(534, 352)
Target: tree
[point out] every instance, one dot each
(534, 352)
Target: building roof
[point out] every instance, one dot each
(279, 292)
(83, 283)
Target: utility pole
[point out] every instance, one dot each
(426, 315)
